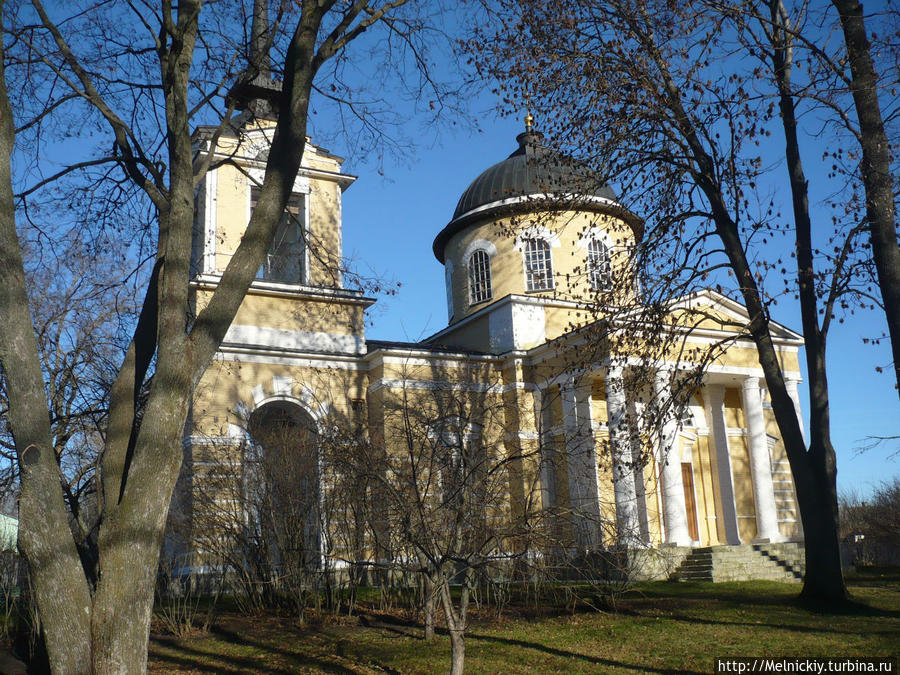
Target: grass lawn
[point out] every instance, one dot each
(659, 628)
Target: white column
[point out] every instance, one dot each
(627, 523)
(581, 456)
(674, 511)
(634, 410)
(760, 464)
(715, 396)
(790, 383)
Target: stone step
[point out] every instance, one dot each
(777, 561)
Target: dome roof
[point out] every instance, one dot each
(532, 170)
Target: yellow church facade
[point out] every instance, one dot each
(529, 270)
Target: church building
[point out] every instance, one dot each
(534, 259)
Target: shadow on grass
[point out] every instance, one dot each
(405, 629)
(212, 662)
(553, 651)
(743, 597)
(676, 596)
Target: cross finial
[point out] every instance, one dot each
(529, 121)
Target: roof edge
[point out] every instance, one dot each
(526, 203)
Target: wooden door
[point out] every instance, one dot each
(690, 507)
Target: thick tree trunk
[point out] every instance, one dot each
(823, 584)
(57, 578)
(876, 168)
(815, 467)
(130, 542)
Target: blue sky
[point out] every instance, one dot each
(391, 220)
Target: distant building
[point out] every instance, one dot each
(9, 533)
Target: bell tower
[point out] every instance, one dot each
(297, 301)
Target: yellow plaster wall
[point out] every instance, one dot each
(507, 267)
(325, 233)
(734, 413)
(476, 334)
(226, 384)
(271, 311)
(704, 485)
(323, 212)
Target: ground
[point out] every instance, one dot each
(657, 628)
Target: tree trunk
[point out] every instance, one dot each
(823, 584)
(428, 606)
(815, 467)
(457, 651)
(875, 168)
(59, 584)
(808, 480)
(456, 622)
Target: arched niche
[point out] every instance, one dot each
(282, 483)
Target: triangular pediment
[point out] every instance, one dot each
(724, 312)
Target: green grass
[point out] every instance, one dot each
(659, 628)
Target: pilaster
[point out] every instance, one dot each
(581, 457)
(715, 397)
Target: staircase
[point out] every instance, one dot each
(774, 562)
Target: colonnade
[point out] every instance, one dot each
(630, 507)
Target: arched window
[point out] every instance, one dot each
(448, 280)
(599, 265)
(480, 277)
(538, 265)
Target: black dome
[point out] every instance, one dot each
(531, 170)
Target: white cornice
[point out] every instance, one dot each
(294, 359)
(294, 291)
(537, 198)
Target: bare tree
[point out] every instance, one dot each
(448, 483)
(103, 626)
(638, 90)
(79, 317)
(875, 166)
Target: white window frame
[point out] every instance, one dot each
(448, 280)
(452, 434)
(551, 239)
(301, 188)
(537, 249)
(591, 237)
(490, 251)
(599, 265)
(479, 276)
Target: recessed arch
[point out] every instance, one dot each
(282, 483)
(479, 245)
(536, 232)
(595, 233)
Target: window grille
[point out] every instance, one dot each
(286, 258)
(479, 277)
(538, 266)
(599, 266)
